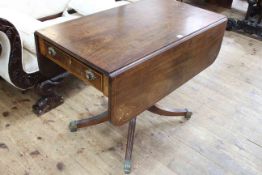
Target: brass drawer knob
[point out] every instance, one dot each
(51, 51)
(90, 75)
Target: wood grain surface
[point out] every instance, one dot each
(142, 85)
(113, 39)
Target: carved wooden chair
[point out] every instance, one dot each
(19, 19)
(252, 23)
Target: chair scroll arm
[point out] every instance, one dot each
(17, 75)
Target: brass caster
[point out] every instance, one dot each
(127, 166)
(188, 115)
(73, 126)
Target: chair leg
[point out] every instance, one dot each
(76, 124)
(170, 112)
(129, 146)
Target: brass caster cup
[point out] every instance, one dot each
(188, 115)
(127, 167)
(73, 126)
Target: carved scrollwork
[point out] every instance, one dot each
(16, 72)
(49, 98)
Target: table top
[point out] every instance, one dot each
(114, 39)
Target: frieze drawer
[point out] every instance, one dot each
(69, 63)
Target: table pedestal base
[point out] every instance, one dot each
(74, 125)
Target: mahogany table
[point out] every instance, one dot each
(136, 55)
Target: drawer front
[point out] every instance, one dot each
(69, 63)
